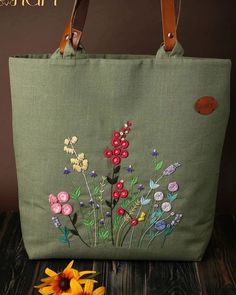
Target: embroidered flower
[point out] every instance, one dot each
(57, 205)
(120, 191)
(155, 153)
(173, 186)
(140, 187)
(160, 225)
(66, 171)
(119, 144)
(56, 221)
(171, 169)
(130, 169)
(93, 174)
(74, 139)
(81, 166)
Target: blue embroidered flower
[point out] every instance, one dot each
(101, 222)
(140, 187)
(93, 174)
(66, 171)
(130, 169)
(160, 225)
(108, 214)
(81, 204)
(155, 153)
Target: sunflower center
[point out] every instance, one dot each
(64, 284)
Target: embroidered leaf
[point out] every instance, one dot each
(125, 203)
(87, 222)
(168, 231)
(134, 180)
(153, 185)
(74, 232)
(117, 221)
(145, 201)
(155, 215)
(171, 197)
(74, 220)
(66, 231)
(104, 234)
(112, 180)
(115, 202)
(75, 195)
(96, 190)
(108, 203)
(159, 165)
(62, 239)
(116, 169)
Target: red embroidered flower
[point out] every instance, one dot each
(133, 221)
(119, 144)
(120, 211)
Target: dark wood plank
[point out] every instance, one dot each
(14, 263)
(217, 271)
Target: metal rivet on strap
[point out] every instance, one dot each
(170, 35)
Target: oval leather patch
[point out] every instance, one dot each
(206, 105)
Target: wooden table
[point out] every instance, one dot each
(216, 274)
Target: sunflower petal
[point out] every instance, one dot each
(41, 286)
(76, 287)
(46, 290)
(83, 281)
(99, 291)
(50, 272)
(88, 287)
(86, 272)
(69, 266)
(47, 280)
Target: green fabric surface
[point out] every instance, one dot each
(55, 97)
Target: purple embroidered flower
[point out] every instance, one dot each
(130, 169)
(173, 187)
(101, 221)
(171, 169)
(140, 187)
(155, 153)
(108, 214)
(56, 222)
(91, 202)
(93, 174)
(66, 171)
(81, 204)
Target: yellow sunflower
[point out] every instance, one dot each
(88, 289)
(63, 283)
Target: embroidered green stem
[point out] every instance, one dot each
(125, 236)
(111, 200)
(132, 232)
(148, 214)
(77, 232)
(67, 240)
(95, 217)
(153, 238)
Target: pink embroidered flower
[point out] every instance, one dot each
(56, 208)
(52, 199)
(66, 209)
(173, 186)
(63, 197)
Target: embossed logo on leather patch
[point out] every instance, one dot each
(206, 105)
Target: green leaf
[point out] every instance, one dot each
(112, 180)
(125, 203)
(75, 217)
(75, 195)
(155, 215)
(117, 220)
(96, 190)
(62, 239)
(134, 180)
(116, 169)
(87, 222)
(104, 234)
(74, 232)
(171, 197)
(66, 231)
(159, 165)
(168, 231)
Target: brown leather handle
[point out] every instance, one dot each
(74, 29)
(75, 26)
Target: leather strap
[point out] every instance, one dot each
(168, 24)
(75, 26)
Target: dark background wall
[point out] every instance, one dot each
(206, 29)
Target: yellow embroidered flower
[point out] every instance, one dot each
(65, 282)
(66, 141)
(74, 161)
(74, 139)
(142, 216)
(88, 289)
(81, 166)
(81, 156)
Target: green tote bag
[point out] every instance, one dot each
(118, 155)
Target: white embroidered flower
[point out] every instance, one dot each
(74, 161)
(70, 151)
(77, 168)
(81, 156)
(66, 149)
(74, 139)
(67, 141)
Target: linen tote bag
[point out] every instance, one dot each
(118, 155)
